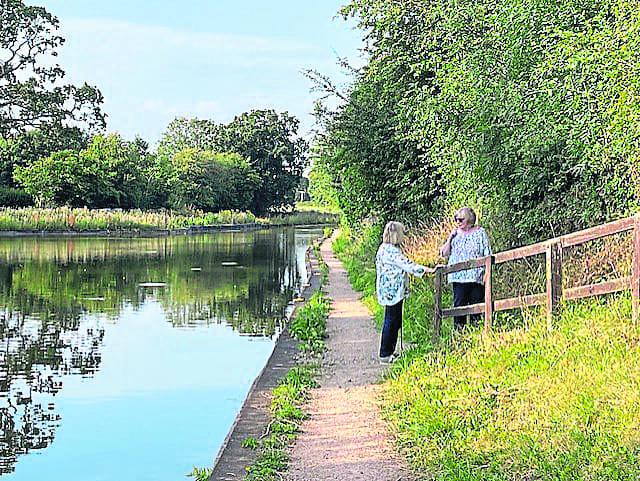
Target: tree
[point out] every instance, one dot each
(211, 181)
(527, 110)
(109, 173)
(267, 139)
(29, 94)
(64, 178)
(24, 148)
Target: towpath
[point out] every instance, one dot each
(344, 438)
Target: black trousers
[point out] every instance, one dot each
(392, 324)
(466, 294)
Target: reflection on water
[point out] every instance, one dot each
(174, 329)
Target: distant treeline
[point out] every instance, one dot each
(254, 163)
(527, 111)
(53, 150)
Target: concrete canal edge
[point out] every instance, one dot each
(254, 416)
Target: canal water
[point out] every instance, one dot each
(128, 359)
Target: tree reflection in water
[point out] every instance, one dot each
(57, 294)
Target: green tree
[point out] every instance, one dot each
(211, 181)
(119, 166)
(267, 139)
(64, 178)
(24, 148)
(29, 96)
(527, 110)
(109, 173)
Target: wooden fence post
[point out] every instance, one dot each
(488, 294)
(635, 275)
(554, 280)
(437, 294)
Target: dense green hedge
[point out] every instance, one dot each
(10, 197)
(529, 111)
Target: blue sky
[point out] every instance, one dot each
(210, 59)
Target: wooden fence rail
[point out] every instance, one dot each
(554, 293)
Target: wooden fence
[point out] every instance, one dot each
(554, 293)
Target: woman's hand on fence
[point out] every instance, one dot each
(422, 270)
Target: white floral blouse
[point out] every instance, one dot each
(466, 246)
(392, 274)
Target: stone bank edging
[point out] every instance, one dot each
(232, 458)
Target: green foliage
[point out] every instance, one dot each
(64, 178)
(322, 189)
(25, 148)
(310, 323)
(285, 406)
(250, 443)
(14, 197)
(200, 474)
(375, 168)
(211, 182)
(528, 403)
(27, 75)
(107, 173)
(266, 139)
(528, 110)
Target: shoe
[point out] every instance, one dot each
(387, 359)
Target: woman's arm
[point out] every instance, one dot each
(445, 250)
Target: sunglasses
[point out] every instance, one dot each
(459, 219)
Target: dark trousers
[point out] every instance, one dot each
(392, 324)
(465, 294)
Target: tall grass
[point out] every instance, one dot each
(68, 219)
(526, 403)
(30, 219)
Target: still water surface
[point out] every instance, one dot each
(128, 359)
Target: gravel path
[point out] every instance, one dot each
(344, 439)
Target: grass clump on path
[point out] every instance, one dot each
(310, 324)
(287, 416)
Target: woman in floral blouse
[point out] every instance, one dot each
(467, 241)
(392, 285)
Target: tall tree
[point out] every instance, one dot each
(265, 138)
(30, 91)
(269, 141)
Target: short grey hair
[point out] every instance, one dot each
(393, 233)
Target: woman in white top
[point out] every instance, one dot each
(467, 241)
(392, 285)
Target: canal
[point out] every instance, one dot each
(129, 358)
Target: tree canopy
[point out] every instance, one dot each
(30, 91)
(528, 111)
(265, 138)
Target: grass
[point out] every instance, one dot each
(30, 219)
(526, 403)
(309, 326)
(272, 456)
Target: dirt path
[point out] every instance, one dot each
(344, 439)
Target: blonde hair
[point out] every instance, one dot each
(393, 233)
(468, 213)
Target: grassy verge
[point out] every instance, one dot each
(527, 403)
(309, 326)
(31, 219)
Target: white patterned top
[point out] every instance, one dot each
(466, 246)
(392, 274)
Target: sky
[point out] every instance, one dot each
(208, 59)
